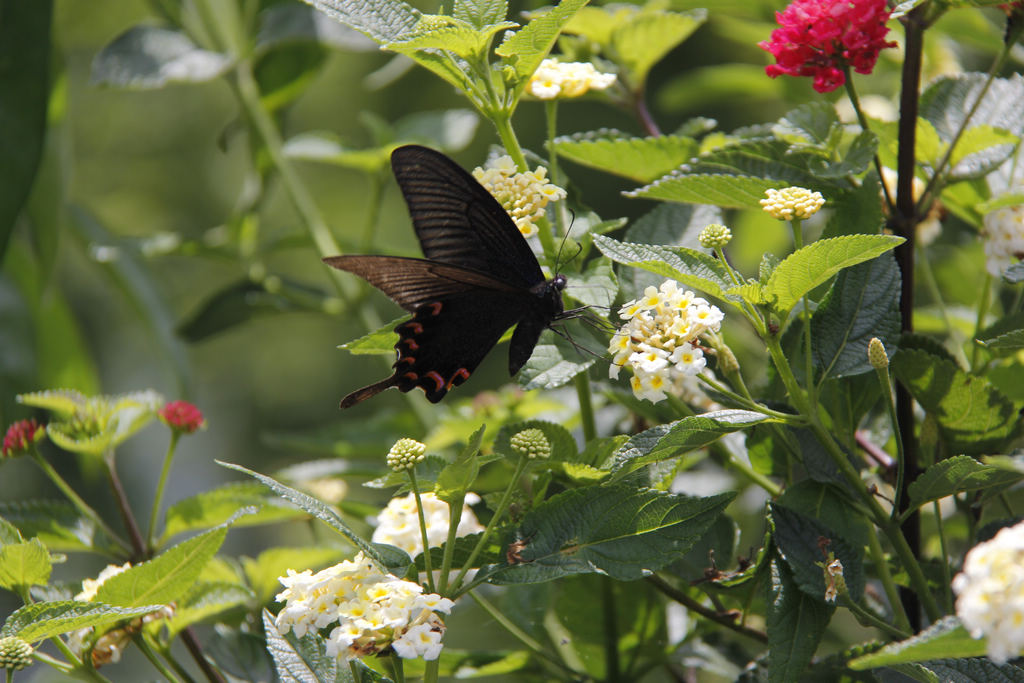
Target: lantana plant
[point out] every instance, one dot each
(728, 463)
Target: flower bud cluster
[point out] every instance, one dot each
(1004, 243)
(399, 524)
(523, 195)
(15, 653)
(405, 454)
(566, 79)
(659, 340)
(371, 610)
(181, 416)
(714, 236)
(990, 593)
(531, 443)
(792, 202)
(20, 437)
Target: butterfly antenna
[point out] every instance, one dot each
(564, 334)
(561, 246)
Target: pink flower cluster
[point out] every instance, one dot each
(20, 436)
(820, 38)
(182, 416)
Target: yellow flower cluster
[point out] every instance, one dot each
(523, 195)
(373, 611)
(659, 340)
(566, 79)
(792, 202)
(399, 524)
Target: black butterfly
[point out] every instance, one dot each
(478, 279)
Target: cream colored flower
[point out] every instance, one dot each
(523, 195)
(792, 202)
(566, 79)
(1004, 238)
(398, 524)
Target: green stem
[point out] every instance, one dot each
(890, 406)
(851, 92)
(798, 243)
(398, 668)
(554, 171)
(159, 494)
(787, 418)
(499, 512)
(930, 283)
(75, 499)
(947, 580)
(454, 517)
(582, 382)
(431, 671)
(427, 561)
(519, 634)
(876, 621)
(892, 591)
(983, 304)
(144, 647)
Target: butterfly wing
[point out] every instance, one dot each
(458, 221)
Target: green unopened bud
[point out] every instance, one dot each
(876, 354)
(15, 653)
(714, 236)
(532, 444)
(727, 362)
(405, 454)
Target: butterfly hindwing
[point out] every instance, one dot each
(458, 222)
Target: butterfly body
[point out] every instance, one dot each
(478, 279)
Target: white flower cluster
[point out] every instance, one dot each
(109, 647)
(990, 593)
(658, 341)
(523, 195)
(1004, 246)
(373, 610)
(399, 525)
(566, 79)
(792, 202)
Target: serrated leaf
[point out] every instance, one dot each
(263, 571)
(728, 191)
(973, 415)
(647, 37)
(862, 304)
(553, 364)
(797, 538)
(640, 159)
(59, 525)
(948, 100)
(690, 433)
(290, 665)
(973, 670)
(752, 293)
(480, 13)
(812, 124)
(152, 57)
(1008, 341)
(596, 286)
(439, 32)
(958, 474)
(525, 49)
(205, 600)
(944, 639)
(381, 20)
(444, 66)
(458, 476)
(8, 532)
(318, 509)
(767, 158)
(210, 508)
(813, 265)
(617, 530)
(857, 159)
(795, 625)
(24, 564)
(690, 267)
(47, 619)
(977, 139)
(169, 575)
(289, 23)
(858, 212)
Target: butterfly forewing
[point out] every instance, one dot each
(458, 222)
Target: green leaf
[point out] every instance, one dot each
(263, 572)
(617, 530)
(797, 538)
(381, 20)
(59, 525)
(944, 639)
(291, 666)
(956, 475)
(973, 415)
(977, 139)
(553, 364)
(595, 286)
(1008, 341)
(149, 57)
(525, 49)
(443, 66)
(973, 670)
(24, 94)
(287, 24)
(169, 575)
(647, 37)
(821, 502)
(458, 476)
(213, 507)
(440, 32)
(729, 191)
(205, 600)
(231, 306)
(795, 624)
(948, 100)
(855, 161)
(24, 564)
(639, 159)
(690, 267)
(317, 509)
(815, 124)
(813, 265)
(690, 433)
(380, 341)
(9, 533)
(862, 304)
(47, 619)
(480, 13)
(326, 147)
(858, 211)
